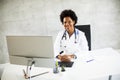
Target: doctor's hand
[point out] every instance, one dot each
(66, 57)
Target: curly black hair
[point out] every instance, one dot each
(68, 13)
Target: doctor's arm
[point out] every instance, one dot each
(84, 43)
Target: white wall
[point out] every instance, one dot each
(41, 17)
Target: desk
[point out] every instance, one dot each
(95, 64)
(87, 66)
(15, 72)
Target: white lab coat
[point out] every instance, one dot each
(68, 45)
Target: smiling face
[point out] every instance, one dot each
(68, 24)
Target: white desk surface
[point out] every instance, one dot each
(87, 66)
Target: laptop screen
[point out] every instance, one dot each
(30, 46)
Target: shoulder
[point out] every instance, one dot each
(79, 32)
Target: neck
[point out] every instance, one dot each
(71, 32)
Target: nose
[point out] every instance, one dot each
(66, 24)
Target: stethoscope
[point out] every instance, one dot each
(64, 37)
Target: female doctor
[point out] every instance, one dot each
(70, 41)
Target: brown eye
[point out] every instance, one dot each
(70, 22)
(64, 22)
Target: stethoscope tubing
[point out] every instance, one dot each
(64, 36)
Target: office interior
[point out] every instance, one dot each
(41, 18)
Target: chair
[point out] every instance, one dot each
(86, 29)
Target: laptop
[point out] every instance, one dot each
(30, 46)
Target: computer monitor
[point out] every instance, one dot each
(30, 46)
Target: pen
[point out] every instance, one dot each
(90, 60)
(61, 52)
(25, 74)
(39, 74)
